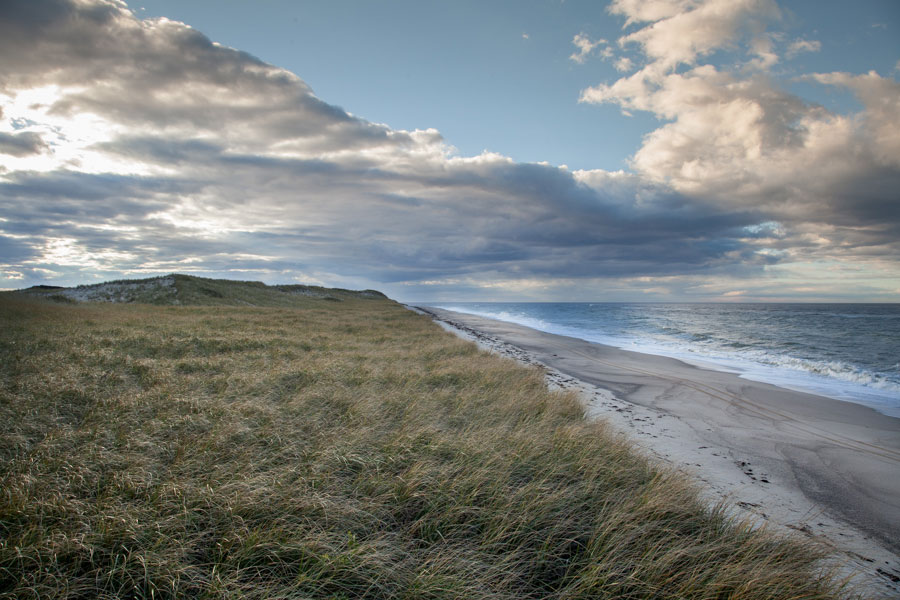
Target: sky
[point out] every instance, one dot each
(547, 150)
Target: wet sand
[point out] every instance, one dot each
(826, 469)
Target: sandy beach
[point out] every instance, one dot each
(823, 468)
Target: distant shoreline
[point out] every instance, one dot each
(826, 468)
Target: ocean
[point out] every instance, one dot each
(845, 351)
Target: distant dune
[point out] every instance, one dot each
(176, 289)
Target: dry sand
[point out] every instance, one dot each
(826, 469)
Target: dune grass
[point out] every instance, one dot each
(331, 450)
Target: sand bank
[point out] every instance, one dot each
(826, 469)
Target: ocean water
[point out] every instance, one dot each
(845, 351)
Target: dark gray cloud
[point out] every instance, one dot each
(37, 203)
(14, 250)
(21, 144)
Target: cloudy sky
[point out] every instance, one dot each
(457, 150)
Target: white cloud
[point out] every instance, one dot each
(799, 46)
(638, 11)
(764, 54)
(737, 140)
(682, 31)
(586, 47)
(623, 64)
(735, 136)
(878, 126)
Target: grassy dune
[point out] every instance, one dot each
(179, 289)
(331, 450)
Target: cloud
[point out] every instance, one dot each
(623, 64)
(879, 127)
(681, 31)
(734, 138)
(585, 47)
(137, 81)
(132, 147)
(21, 144)
(799, 46)
(638, 11)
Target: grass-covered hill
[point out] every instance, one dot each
(330, 450)
(178, 289)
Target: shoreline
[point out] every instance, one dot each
(839, 376)
(827, 469)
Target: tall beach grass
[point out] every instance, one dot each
(332, 450)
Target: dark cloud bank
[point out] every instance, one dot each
(201, 158)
